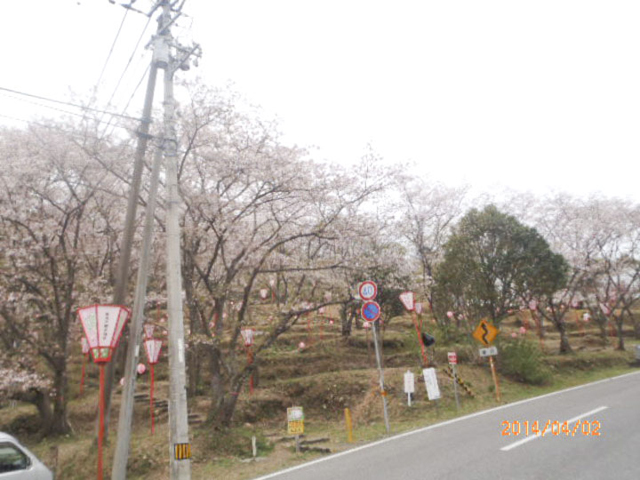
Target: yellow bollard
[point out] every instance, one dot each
(347, 417)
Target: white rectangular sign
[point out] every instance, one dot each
(488, 352)
(409, 382)
(431, 382)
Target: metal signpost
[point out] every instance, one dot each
(103, 325)
(453, 361)
(152, 347)
(370, 312)
(486, 333)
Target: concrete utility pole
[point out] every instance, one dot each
(119, 470)
(120, 294)
(178, 415)
(180, 449)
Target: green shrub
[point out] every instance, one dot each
(522, 360)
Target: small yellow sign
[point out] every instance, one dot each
(296, 427)
(295, 420)
(182, 451)
(485, 333)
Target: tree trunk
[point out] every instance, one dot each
(619, 323)
(345, 320)
(60, 421)
(564, 339)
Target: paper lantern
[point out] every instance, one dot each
(247, 336)
(141, 368)
(103, 326)
(148, 330)
(152, 348)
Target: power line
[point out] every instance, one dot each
(69, 104)
(129, 61)
(115, 40)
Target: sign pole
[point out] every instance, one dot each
(153, 424)
(422, 349)
(495, 378)
(455, 386)
(101, 430)
(382, 390)
(84, 361)
(347, 418)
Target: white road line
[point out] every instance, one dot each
(437, 425)
(534, 436)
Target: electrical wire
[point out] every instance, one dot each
(69, 104)
(135, 49)
(115, 40)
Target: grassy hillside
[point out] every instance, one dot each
(326, 377)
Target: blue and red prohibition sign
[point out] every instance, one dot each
(370, 311)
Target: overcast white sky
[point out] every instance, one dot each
(532, 95)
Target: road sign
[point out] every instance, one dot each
(407, 300)
(453, 358)
(409, 385)
(489, 351)
(370, 311)
(485, 333)
(431, 382)
(409, 382)
(295, 420)
(368, 290)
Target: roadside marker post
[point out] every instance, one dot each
(453, 362)
(348, 421)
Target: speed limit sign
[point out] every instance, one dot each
(368, 290)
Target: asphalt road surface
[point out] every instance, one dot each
(601, 441)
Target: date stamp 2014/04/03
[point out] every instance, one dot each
(568, 429)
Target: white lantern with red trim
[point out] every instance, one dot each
(103, 326)
(149, 329)
(247, 336)
(152, 347)
(264, 293)
(141, 368)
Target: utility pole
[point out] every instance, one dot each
(119, 296)
(180, 450)
(119, 470)
(180, 447)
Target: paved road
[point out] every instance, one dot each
(473, 447)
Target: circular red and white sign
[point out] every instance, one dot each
(368, 290)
